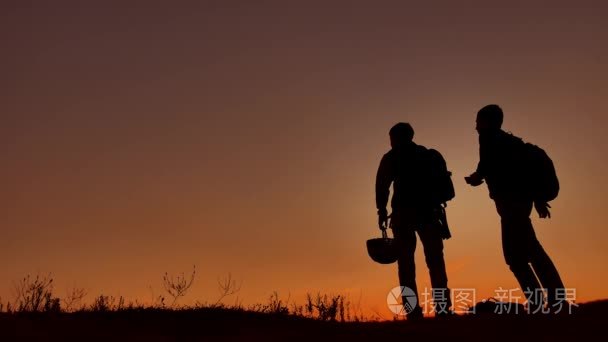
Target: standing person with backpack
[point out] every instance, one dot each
(416, 174)
(519, 175)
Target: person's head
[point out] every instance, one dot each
(401, 134)
(489, 118)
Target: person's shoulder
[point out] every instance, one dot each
(513, 142)
(388, 156)
(433, 155)
(511, 138)
(420, 148)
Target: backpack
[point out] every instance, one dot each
(441, 188)
(543, 178)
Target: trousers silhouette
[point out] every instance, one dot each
(405, 224)
(525, 255)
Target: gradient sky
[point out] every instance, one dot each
(139, 137)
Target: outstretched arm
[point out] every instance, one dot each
(476, 178)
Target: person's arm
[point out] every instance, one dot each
(384, 178)
(476, 178)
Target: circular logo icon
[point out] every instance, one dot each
(401, 300)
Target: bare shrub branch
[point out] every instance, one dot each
(73, 299)
(177, 287)
(326, 307)
(36, 295)
(227, 287)
(103, 303)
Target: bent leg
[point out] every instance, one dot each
(529, 285)
(517, 238)
(547, 273)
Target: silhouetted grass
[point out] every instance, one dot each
(36, 295)
(36, 314)
(218, 323)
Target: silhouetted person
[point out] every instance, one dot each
(405, 166)
(503, 165)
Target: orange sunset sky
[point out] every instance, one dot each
(143, 137)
